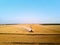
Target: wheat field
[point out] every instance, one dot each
(37, 29)
(42, 34)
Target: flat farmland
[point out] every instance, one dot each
(41, 35)
(37, 29)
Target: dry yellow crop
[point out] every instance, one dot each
(37, 29)
(41, 35)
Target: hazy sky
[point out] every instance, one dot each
(29, 11)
